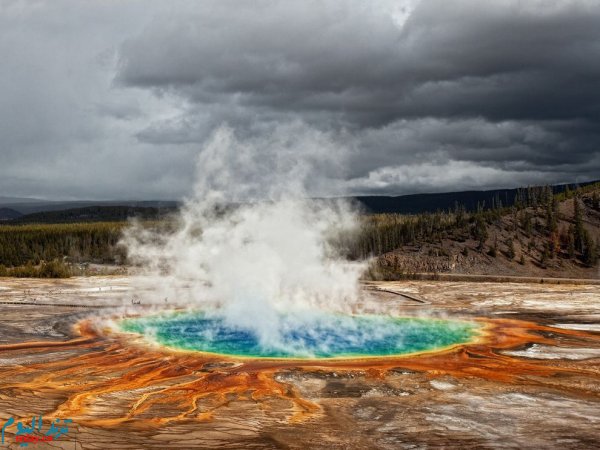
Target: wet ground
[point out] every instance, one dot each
(532, 381)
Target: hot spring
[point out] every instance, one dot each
(313, 336)
(275, 262)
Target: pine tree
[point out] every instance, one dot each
(571, 242)
(480, 230)
(579, 229)
(545, 256)
(554, 244)
(596, 201)
(589, 255)
(511, 249)
(493, 251)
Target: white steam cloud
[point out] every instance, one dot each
(249, 244)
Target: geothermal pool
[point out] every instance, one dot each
(312, 336)
(519, 381)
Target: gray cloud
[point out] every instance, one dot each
(107, 99)
(449, 59)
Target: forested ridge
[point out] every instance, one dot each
(541, 229)
(24, 248)
(111, 213)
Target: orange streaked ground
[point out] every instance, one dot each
(113, 385)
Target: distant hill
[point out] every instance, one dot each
(34, 206)
(542, 235)
(95, 214)
(9, 214)
(469, 200)
(403, 204)
(12, 200)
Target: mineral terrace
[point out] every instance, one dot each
(531, 381)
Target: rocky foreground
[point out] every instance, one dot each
(531, 381)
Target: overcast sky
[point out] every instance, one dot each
(115, 99)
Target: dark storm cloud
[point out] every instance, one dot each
(449, 59)
(508, 85)
(114, 99)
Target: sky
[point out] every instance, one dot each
(126, 99)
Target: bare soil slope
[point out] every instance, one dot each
(518, 243)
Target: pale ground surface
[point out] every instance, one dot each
(399, 408)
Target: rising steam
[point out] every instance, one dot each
(249, 245)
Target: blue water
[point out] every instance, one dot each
(320, 335)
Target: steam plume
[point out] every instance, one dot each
(249, 244)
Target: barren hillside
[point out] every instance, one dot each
(543, 235)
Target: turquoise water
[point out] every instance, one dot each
(321, 335)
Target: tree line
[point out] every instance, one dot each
(534, 217)
(37, 243)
